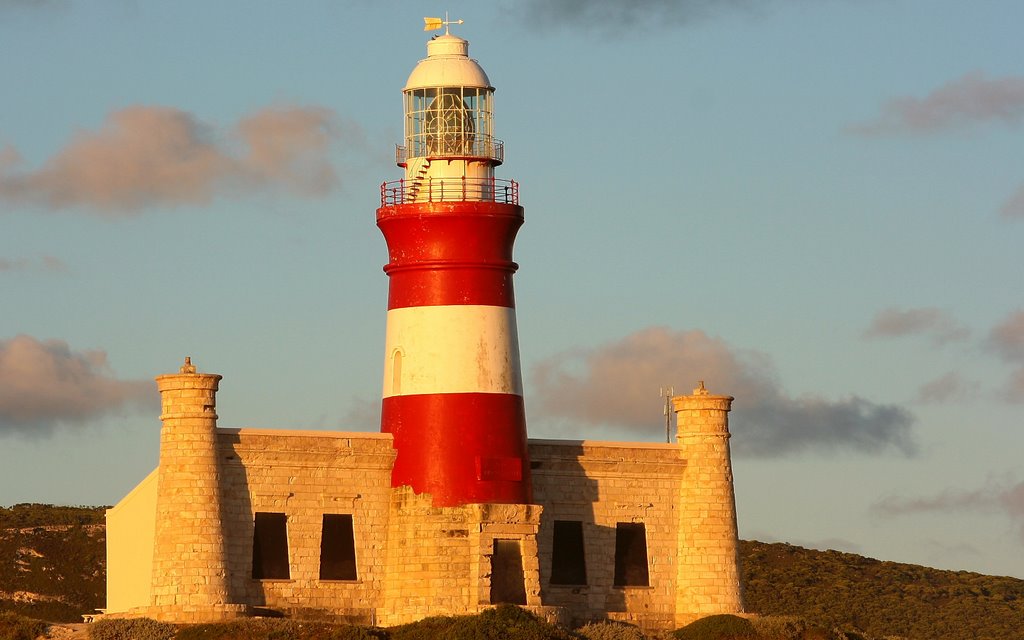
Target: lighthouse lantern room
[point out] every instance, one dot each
(449, 131)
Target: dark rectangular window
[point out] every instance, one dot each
(270, 547)
(337, 548)
(568, 561)
(631, 555)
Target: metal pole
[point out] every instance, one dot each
(668, 392)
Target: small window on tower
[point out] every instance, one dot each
(631, 555)
(568, 560)
(337, 548)
(270, 547)
(396, 372)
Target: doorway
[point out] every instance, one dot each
(508, 583)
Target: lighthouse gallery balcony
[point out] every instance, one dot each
(453, 189)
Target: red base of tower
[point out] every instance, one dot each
(460, 447)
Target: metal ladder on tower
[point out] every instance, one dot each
(419, 177)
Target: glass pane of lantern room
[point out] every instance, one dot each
(417, 103)
(486, 123)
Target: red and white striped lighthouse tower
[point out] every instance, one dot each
(453, 393)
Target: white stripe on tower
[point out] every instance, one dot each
(452, 349)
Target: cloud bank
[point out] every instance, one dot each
(924, 321)
(995, 497)
(612, 389)
(948, 387)
(614, 16)
(6, 5)
(972, 98)
(44, 384)
(1014, 207)
(45, 263)
(146, 156)
(1007, 341)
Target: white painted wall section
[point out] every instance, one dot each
(452, 349)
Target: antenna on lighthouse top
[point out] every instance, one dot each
(433, 24)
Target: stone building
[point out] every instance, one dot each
(450, 508)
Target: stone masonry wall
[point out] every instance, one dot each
(601, 484)
(305, 475)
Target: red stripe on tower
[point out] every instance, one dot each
(453, 397)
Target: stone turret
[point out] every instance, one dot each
(709, 575)
(189, 579)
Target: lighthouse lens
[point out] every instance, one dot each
(448, 126)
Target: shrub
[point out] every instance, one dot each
(277, 629)
(779, 627)
(215, 631)
(610, 630)
(15, 627)
(130, 629)
(505, 622)
(720, 627)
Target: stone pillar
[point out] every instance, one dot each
(709, 576)
(189, 562)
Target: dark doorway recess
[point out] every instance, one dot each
(508, 584)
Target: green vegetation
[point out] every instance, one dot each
(15, 627)
(135, 629)
(52, 561)
(607, 630)
(505, 622)
(717, 628)
(502, 623)
(844, 590)
(31, 514)
(247, 629)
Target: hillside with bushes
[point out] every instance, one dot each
(52, 567)
(52, 561)
(882, 598)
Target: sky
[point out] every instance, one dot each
(815, 207)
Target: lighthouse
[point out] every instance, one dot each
(452, 391)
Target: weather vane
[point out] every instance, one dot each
(432, 24)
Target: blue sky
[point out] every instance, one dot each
(817, 207)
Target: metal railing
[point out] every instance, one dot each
(449, 190)
(456, 147)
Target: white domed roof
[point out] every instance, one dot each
(447, 65)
